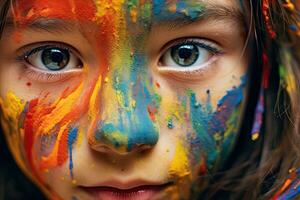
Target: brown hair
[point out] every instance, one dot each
(262, 167)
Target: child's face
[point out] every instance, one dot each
(98, 97)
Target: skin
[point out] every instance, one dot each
(124, 111)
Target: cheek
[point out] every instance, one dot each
(42, 131)
(206, 132)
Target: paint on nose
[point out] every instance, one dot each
(131, 122)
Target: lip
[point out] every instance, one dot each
(116, 191)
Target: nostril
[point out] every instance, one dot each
(141, 148)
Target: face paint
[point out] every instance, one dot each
(123, 106)
(210, 137)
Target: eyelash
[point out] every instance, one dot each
(41, 75)
(204, 44)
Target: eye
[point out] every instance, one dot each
(188, 55)
(52, 58)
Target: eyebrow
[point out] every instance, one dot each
(42, 24)
(210, 12)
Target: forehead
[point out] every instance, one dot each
(93, 10)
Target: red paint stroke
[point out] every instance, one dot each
(157, 84)
(202, 170)
(266, 71)
(29, 136)
(152, 111)
(62, 153)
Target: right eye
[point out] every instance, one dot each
(52, 58)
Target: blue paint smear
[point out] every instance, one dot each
(73, 133)
(188, 10)
(206, 123)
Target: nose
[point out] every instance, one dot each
(123, 139)
(127, 121)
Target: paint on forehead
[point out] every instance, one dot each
(28, 10)
(172, 10)
(142, 11)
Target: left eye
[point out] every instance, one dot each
(187, 54)
(52, 58)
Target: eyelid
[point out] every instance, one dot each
(214, 47)
(30, 49)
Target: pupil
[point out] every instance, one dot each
(55, 58)
(185, 55)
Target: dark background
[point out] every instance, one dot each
(13, 183)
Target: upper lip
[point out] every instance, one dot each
(126, 185)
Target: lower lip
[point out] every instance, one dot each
(138, 193)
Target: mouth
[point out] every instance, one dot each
(142, 192)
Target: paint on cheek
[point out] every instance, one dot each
(180, 163)
(216, 130)
(73, 134)
(180, 172)
(44, 119)
(11, 110)
(177, 113)
(170, 124)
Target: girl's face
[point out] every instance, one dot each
(122, 99)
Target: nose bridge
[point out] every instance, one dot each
(128, 108)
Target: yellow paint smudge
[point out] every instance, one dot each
(291, 83)
(93, 108)
(133, 14)
(180, 170)
(117, 136)
(11, 108)
(180, 163)
(255, 136)
(105, 7)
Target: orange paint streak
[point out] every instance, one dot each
(287, 183)
(27, 11)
